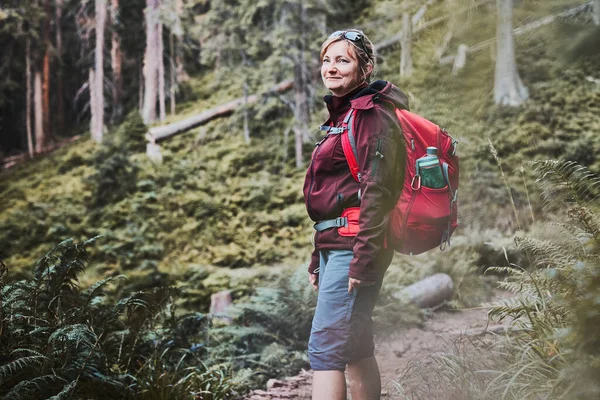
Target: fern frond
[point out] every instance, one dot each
(563, 181)
(19, 364)
(25, 350)
(546, 253)
(72, 337)
(27, 389)
(95, 290)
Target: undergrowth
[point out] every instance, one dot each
(551, 350)
(57, 339)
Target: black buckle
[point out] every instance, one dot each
(341, 222)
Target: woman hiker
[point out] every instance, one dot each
(350, 259)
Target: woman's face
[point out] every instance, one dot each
(340, 70)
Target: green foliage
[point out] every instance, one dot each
(57, 339)
(270, 331)
(115, 176)
(557, 297)
(131, 134)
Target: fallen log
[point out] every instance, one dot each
(429, 292)
(523, 29)
(8, 162)
(161, 132)
(392, 40)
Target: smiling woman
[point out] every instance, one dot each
(350, 257)
(341, 69)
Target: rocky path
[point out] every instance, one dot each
(404, 355)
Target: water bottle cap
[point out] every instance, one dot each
(432, 150)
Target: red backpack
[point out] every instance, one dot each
(423, 218)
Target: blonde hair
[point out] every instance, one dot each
(364, 54)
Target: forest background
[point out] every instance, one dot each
(113, 237)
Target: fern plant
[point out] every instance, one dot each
(59, 340)
(269, 333)
(557, 307)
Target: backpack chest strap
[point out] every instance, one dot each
(349, 145)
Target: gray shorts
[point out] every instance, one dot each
(342, 328)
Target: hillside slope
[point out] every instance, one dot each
(217, 203)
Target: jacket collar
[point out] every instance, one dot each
(364, 98)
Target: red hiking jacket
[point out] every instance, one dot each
(329, 188)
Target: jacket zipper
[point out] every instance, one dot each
(376, 158)
(339, 198)
(312, 176)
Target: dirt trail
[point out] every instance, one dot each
(398, 355)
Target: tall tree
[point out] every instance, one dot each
(161, 74)
(596, 12)
(98, 128)
(151, 60)
(301, 81)
(28, 97)
(406, 56)
(38, 111)
(60, 100)
(508, 88)
(46, 76)
(116, 63)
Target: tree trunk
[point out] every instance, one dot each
(46, 98)
(508, 87)
(300, 109)
(161, 74)
(98, 129)
(461, 58)
(405, 56)
(93, 98)
(596, 12)
(46, 77)
(182, 75)
(162, 132)
(172, 74)
(60, 100)
(302, 114)
(151, 62)
(116, 64)
(141, 89)
(38, 111)
(28, 98)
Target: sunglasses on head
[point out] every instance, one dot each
(351, 36)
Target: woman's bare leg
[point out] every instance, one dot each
(364, 379)
(329, 385)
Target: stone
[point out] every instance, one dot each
(219, 304)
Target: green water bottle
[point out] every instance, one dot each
(429, 169)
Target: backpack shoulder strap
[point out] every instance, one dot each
(349, 145)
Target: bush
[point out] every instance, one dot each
(554, 351)
(270, 332)
(57, 339)
(115, 177)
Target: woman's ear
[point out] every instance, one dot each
(368, 72)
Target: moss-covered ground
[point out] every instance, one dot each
(219, 213)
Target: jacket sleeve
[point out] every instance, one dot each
(314, 262)
(381, 158)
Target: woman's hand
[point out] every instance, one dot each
(314, 280)
(355, 284)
